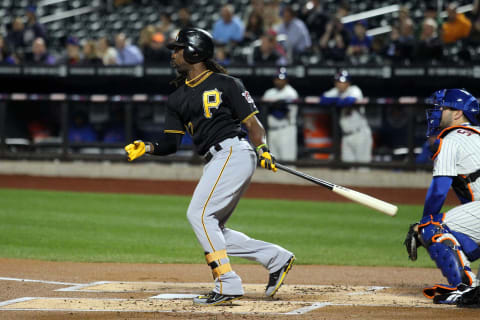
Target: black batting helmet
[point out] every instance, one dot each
(197, 43)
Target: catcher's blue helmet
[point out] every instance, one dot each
(459, 99)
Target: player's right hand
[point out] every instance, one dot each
(267, 161)
(135, 150)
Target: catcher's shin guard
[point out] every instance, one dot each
(469, 247)
(451, 260)
(446, 251)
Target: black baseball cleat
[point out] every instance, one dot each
(215, 299)
(470, 298)
(454, 296)
(276, 278)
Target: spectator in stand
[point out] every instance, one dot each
(407, 40)
(298, 37)
(15, 37)
(271, 15)
(155, 51)
(315, 19)
(73, 54)
(229, 29)
(429, 46)
(269, 52)
(377, 52)
(5, 56)
(255, 7)
(90, 54)
(343, 10)
(392, 50)
(127, 54)
(430, 11)
(146, 35)
(403, 17)
(254, 29)
(457, 26)
(360, 43)
(333, 43)
(184, 19)
(33, 29)
(402, 43)
(166, 26)
(39, 54)
(222, 56)
(106, 52)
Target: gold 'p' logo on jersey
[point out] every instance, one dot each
(211, 99)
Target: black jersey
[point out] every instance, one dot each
(211, 110)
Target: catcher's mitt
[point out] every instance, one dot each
(412, 242)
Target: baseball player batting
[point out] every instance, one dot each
(452, 238)
(211, 106)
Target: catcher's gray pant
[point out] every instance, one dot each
(225, 177)
(466, 219)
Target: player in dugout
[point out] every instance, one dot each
(452, 237)
(211, 106)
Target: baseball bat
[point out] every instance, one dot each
(362, 198)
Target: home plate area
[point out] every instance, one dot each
(177, 297)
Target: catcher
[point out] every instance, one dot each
(452, 238)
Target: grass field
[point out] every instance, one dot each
(73, 226)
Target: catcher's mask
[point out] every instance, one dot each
(459, 99)
(197, 44)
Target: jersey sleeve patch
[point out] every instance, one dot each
(248, 97)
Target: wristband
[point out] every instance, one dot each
(263, 145)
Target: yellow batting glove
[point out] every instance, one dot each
(267, 161)
(135, 150)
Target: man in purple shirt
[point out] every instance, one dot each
(298, 37)
(127, 54)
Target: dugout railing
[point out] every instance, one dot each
(398, 127)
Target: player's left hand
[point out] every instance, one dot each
(135, 150)
(412, 242)
(267, 161)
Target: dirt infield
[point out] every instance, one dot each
(256, 190)
(65, 290)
